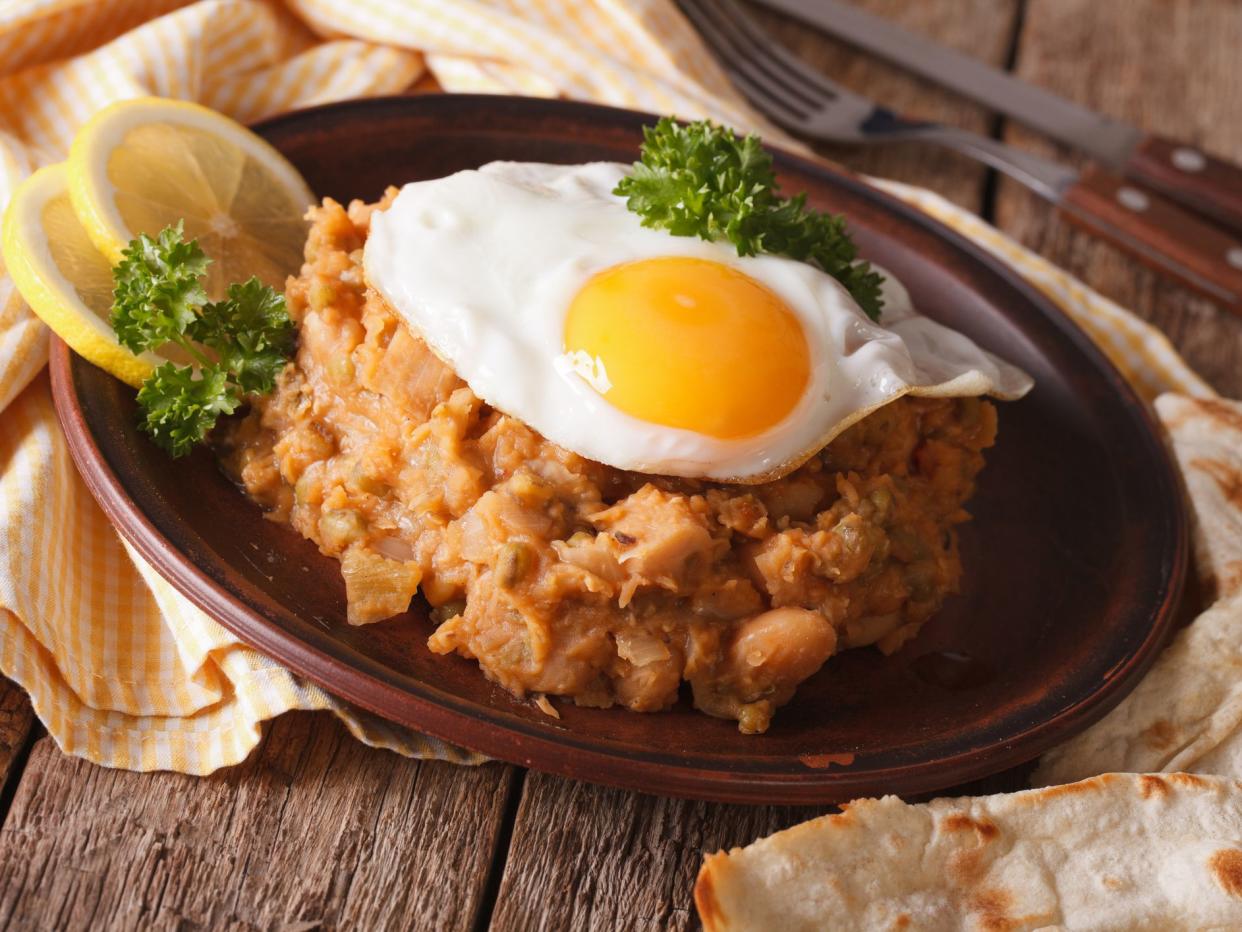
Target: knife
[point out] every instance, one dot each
(1184, 173)
(812, 105)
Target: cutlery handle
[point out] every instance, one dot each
(1159, 233)
(1190, 176)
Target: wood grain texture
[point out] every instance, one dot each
(593, 858)
(1200, 180)
(314, 831)
(16, 722)
(587, 857)
(1169, 66)
(1159, 233)
(982, 28)
(590, 857)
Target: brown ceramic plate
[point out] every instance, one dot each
(1074, 562)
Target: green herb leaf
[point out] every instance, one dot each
(179, 408)
(252, 333)
(704, 180)
(157, 289)
(239, 344)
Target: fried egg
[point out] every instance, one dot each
(642, 350)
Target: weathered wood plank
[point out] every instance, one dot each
(313, 831)
(593, 858)
(981, 27)
(589, 857)
(16, 722)
(1167, 65)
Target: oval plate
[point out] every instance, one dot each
(1073, 565)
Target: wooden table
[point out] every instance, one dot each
(316, 831)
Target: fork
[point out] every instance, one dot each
(809, 104)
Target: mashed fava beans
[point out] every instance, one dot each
(565, 577)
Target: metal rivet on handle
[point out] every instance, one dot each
(1234, 256)
(1189, 160)
(1132, 199)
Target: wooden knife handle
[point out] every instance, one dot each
(1159, 233)
(1188, 175)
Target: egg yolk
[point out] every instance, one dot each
(692, 344)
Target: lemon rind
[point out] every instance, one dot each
(92, 192)
(50, 295)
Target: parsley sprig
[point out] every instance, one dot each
(239, 345)
(704, 180)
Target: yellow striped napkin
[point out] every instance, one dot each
(121, 669)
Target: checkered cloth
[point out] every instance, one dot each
(120, 668)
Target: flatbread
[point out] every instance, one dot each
(1206, 437)
(1116, 852)
(1186, 714)
(1139, 850)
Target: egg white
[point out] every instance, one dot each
(483, 265)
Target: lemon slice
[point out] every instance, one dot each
(140, 165)
(63, 277)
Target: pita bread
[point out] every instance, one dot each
(1119, 851)
(1186, 714)
(1206, 437)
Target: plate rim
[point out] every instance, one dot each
(567, 754)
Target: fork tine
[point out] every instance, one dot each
(770, 95)
(774, 105)
(751, 41)
(777, 55)
(774, 102)
(740, 54)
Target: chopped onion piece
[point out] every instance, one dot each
(375, 586)
(641, 649)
